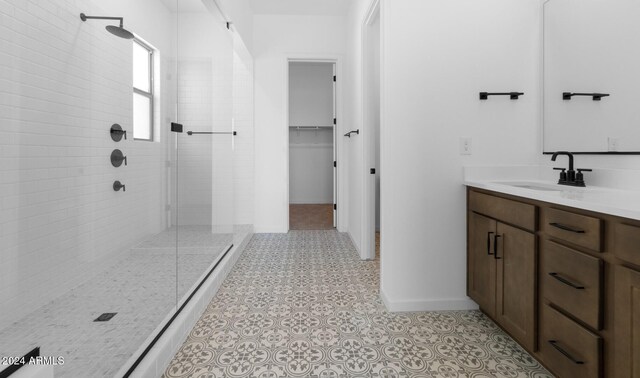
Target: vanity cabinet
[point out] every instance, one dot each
(502, 264)
(563, 282)
(627, 300)
(627, 350)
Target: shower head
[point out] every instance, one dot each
(118, 31)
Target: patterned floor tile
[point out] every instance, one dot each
(303, 304)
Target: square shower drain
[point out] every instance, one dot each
(105, 317)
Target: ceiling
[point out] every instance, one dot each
(301, 7)
(186, 6)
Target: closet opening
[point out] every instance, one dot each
(312, 146)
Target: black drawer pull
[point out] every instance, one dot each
(554, 344)
(566, 281)
(567, 228)
(495, 247)
(489, 243)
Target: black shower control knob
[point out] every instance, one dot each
(117, 157)
(117, 133)
(117, 185)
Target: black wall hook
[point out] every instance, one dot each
(595, 96)
(352, 132)
(512, 95)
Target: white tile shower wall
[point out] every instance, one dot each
(222, 105)
(63, 83)
(195, 152)
(205, 103)
(243, 143)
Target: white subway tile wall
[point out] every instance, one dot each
(243, 143)
(64, 82)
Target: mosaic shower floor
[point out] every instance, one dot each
(304, 305)
(141, 287)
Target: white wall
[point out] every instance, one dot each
(241, 16)
(310, 94)
(373, 77)
(243, 155)
(311, 152)
(275, 39)
(437, 56)
(64, 83)
(354, 118)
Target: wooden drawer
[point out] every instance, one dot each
(575, 228)
(626, 244)
(572, 281)
(568, 349)
(508, 211)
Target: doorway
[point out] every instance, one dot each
(372, 232)
(312, 146)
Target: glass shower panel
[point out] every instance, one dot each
(205, 148)
(87, 239)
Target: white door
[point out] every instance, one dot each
(335, 153)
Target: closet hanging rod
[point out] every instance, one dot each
(310, 127)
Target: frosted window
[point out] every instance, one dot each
(141, 67)
(141, 117)
(142, 91)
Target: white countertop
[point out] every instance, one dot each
(618, 202)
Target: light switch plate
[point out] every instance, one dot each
(614, 144)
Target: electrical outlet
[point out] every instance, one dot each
(465, 146)
(614, 143)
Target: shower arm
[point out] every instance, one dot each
(84, 17)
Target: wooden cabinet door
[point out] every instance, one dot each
(481, 280)
(515, 284)
(627, 323)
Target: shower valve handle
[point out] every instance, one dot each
(117, 157)
(117, 185)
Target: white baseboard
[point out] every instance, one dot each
(159, 357)
(452, 304)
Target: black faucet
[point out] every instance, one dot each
(569, 176)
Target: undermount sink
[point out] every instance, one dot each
(532, 186)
